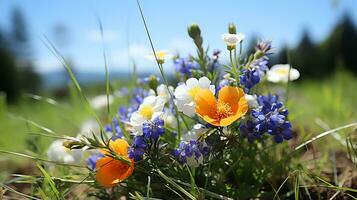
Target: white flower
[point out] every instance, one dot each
(161, 56)
(280, 73)
(151, 108)
(100, 101)
(169, 119)
(163, 92)
(58, 153)
(232, 39)
(196, 132)
(252, 100)
(185, 94)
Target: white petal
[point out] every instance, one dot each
(181, 92)
(204, 82)
(156, 114)
(192, 82)
(150, 100)
(294, 74)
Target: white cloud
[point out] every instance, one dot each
(108, 36)
(182, 46)
(136, 53)
(47, 64)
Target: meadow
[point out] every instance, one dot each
(315, 107)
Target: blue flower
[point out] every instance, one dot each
(137, 149)
(117, 132)
(184, 66)
(92, 160)
(192, 150)
(152, 130)
(270, 117)
(249, 78)
(260, 65)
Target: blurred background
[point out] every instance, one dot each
(320, 38)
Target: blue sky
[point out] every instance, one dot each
(282, 21)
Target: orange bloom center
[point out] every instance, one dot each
(111, 171)
(230, 106)
(223, 109)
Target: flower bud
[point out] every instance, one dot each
(73, 144)
(194, 31)
(258, 54)
(232, 28)
(153, 82)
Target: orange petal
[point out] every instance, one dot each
(111, 171)
(119, 146)
(206, 104)
(231, 96)
(243, 105)
(242, 109)
(214, 122)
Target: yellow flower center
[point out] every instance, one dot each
(224, 109)
(193, 91)
(161, 55)
(146, 111)
(282, 71)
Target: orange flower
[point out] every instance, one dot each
(230, 106)
(111, 171)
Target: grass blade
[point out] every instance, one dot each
(62, 60)
(325, 134)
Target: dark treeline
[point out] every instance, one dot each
(318, 60)
(17, 72)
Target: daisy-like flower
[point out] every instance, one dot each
(111, 171)
(150, 109)
(232, 40)
(230, 106)
(280, 73)
(161, 56)
(59, 153)
(163, 92)
(185, 94)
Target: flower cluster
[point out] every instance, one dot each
(152, 130)
(191, 152)
(205, 114)
(270, 117)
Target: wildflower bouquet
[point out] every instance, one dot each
(210, 132)
(213, 131)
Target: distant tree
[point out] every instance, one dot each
(20, 42)
(306, 57)
(19, 35)
(319, 60)
(9, 80)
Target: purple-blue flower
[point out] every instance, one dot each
(92, 160)
(270, 117)
(184, 66)
(249, 78)
(191, 149)
(152, 130)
